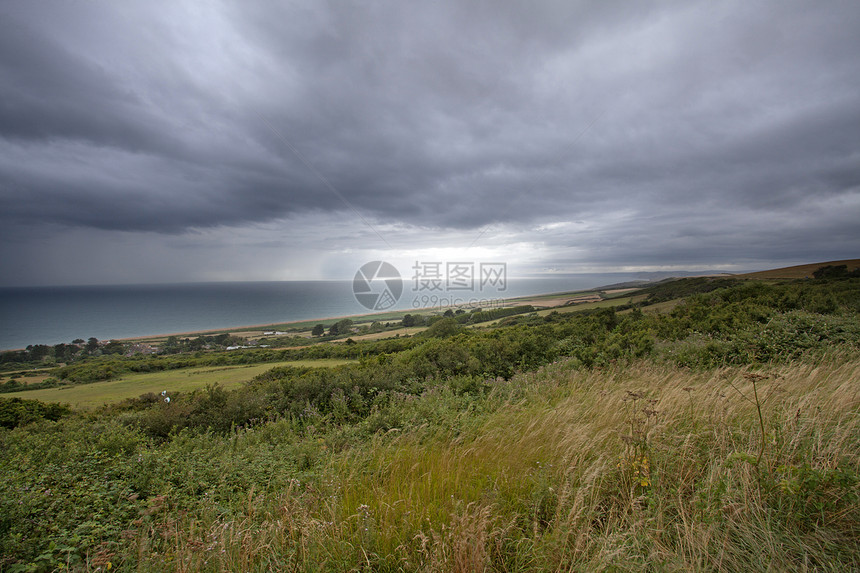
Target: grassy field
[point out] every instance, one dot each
(635, 469)
(590, 305)
(32, 377)
(405, 331)
(84, 396)
(640, 467)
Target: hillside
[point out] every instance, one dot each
(719, 435)
(799, 271)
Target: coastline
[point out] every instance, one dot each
(534, 300)
(36, 326)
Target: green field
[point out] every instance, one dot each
(583, 306)
(84, 396)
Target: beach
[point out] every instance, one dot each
(53, 315)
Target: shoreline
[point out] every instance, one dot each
(516, 301)
(538, 300)
(541, 301)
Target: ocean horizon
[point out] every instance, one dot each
(51, 314)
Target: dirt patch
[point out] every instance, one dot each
(620, 290)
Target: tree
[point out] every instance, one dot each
(318, 330)
(114, 347)
(171, 345)
(443, 328)
(340, 327)
(63, 352)
(38, 352)
(92, 344)
(408, 320)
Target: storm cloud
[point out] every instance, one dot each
(573, 135)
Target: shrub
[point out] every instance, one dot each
(16, 411)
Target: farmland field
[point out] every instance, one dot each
(183, 380)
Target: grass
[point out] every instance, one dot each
(32, 377)
(588, 306)
(635, 468)
(404, 331)
(85, 396)
(555, 474)
(578, 307)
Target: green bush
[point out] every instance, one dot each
(17, 412)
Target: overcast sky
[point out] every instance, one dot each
(190, 141)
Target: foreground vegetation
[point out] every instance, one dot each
(721, 436)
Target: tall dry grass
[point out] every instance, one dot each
(634, 468)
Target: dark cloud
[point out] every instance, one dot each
(693, 132)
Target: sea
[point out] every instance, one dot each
(51, 315)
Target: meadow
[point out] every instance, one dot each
(88, 396)
(720, 432)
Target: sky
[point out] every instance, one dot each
(150, 142)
